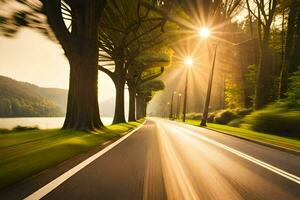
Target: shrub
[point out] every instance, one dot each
(211, 116)
(225, 116)
(194, 116)
(24, 128)
(236, 122)
(277, 121)
(243, 111)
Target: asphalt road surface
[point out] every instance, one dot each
(169, 160)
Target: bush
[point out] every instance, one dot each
(24, 128)
(236, 122)
(277, 121)
(225, 116)
(194, 116)
(211, 117)
(243, 111)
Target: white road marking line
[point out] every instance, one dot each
(40, 193)
(265, 165)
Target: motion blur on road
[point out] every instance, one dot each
(196, 167)
(170, 160)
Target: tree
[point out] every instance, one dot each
(74, 24)
(147, 67)
(127, 30)
(145, 93)
(291, 46)
(264, 16)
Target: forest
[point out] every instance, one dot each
(19, 99)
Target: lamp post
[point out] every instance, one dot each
(205, 33)
(208, 93)
(188, 62)
(166, 113)
(178, 106)
(171, 107)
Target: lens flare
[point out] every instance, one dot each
(204, 32)
(188, 61)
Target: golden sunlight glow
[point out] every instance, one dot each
(204, 32)
(188, 61)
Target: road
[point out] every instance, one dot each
(169, 160)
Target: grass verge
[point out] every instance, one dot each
(285, 142)
(25, 153)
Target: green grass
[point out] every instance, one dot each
(25, 153)
(287, 142)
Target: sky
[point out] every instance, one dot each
(32, 57)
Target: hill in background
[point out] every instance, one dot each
(21, 99)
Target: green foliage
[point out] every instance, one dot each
(18, 99)
(194, 116)
(154, 85)
(233, 94)
(24, 128)
(294, 88)
(150, 58)
(278, 118)
(148, 89)
(251, 82)
(225, 116)
(25, 153)
(235, 122)
(211, 117)
(283, 141)
(241, 112)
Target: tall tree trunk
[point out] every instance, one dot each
(288, 51)
(81, 49)
(119, 116)
(296, 53)
(82, 108)
(139, 106)
(144, 111)
(82, 52)
(264, 76)
(132, 96)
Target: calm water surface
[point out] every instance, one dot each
(41, 122)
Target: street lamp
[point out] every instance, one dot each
(188, 63)
(178, 106)
(171, 108)
(205, 33)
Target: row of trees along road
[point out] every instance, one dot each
(94, 33)
(127, 30)
(89, 30)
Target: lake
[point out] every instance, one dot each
(41, 122)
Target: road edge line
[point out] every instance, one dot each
(288, 150)
(252, 159)
(46, 189)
